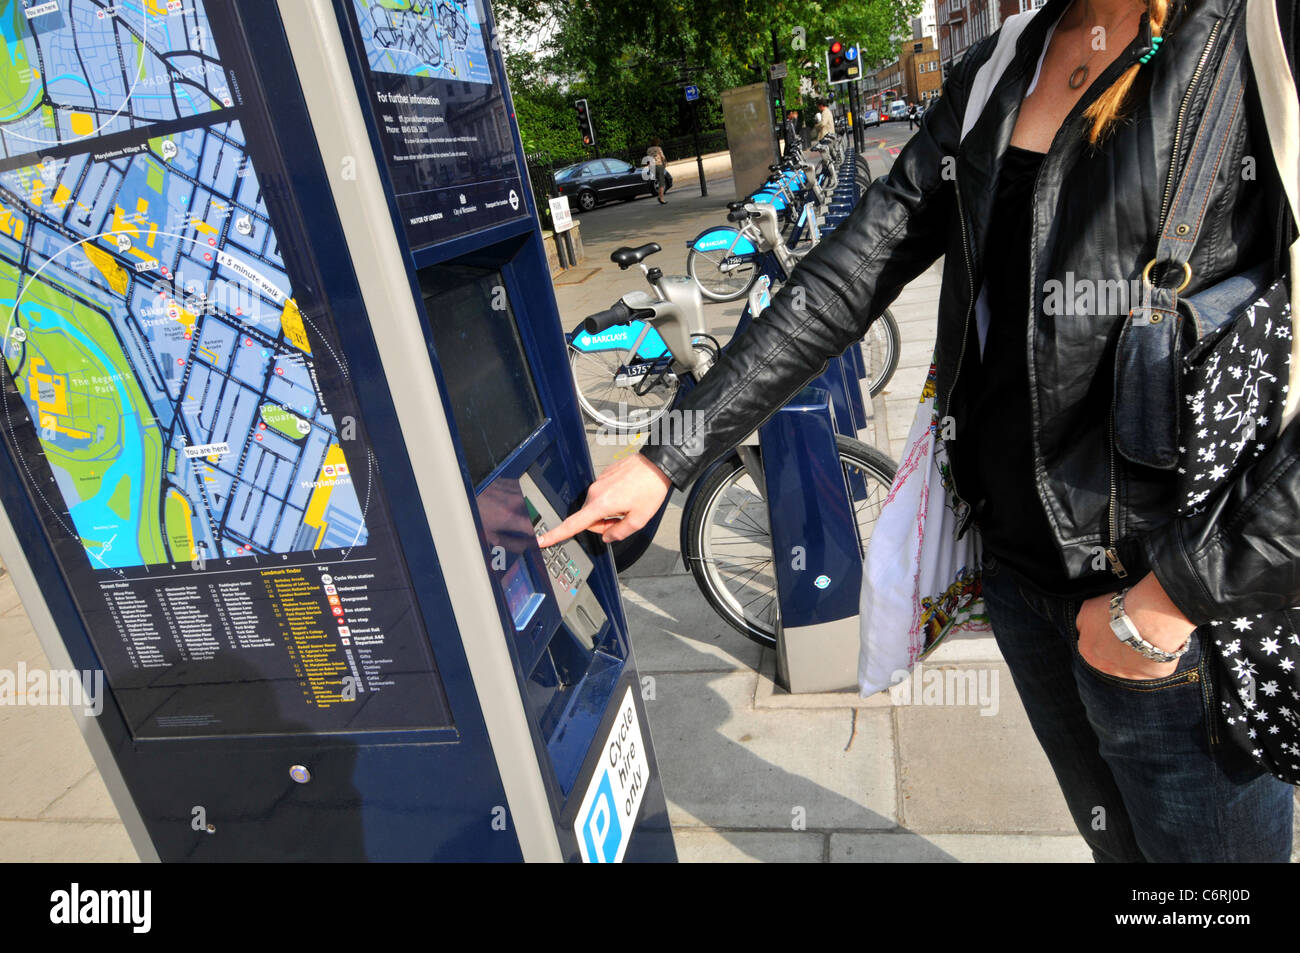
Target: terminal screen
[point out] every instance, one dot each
(176, 396)
(493, 398)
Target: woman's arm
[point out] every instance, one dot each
(895, 233)
(1242, 556)
(898, 229)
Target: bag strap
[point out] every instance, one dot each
(1190, 198)
(1277, 95)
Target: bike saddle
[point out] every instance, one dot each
(626, 257)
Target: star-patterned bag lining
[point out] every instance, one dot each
(1235, 382)
(1260, 667)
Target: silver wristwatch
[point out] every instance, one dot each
(1127, 633)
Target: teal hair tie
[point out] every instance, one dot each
(1155, 48)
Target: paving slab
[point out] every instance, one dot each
(739, 847)
(88, 799)
(43, 756)
(82, 842)
(9, 601)
(674, 630)
(726, 766)
(962, 771)
(968, 647)
(910, 848)
(18, 642)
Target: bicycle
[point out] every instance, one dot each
(725, 534)
(727, 261)
(717, 257)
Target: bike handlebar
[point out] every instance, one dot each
(620, 313)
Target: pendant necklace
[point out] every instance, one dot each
(1080, 73)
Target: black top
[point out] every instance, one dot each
(993, 455)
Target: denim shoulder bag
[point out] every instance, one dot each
(1202, 382)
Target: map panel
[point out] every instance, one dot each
(78, 69)
(181, 414)
(154, 336)
(442, 39)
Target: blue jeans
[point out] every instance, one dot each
(1145, 766)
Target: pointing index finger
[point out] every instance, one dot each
(584, 518)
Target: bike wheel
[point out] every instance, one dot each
(883, 345)
(619, 408)
(727, 542)
(719, 283)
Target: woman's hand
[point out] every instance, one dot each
(1158, 621)
(620, 502)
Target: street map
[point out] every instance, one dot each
(147, 320)
(435, 38)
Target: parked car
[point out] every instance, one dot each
(588, 184)
(898, 109)
(871, 118)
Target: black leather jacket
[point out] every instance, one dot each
(1092, 220)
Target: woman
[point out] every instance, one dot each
(1062, 178)
(656, 154)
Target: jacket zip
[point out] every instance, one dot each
(1112, 536)
(1112, 527)
(965, 333)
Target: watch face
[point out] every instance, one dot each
(1123, 628)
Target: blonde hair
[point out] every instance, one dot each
(1111, 106)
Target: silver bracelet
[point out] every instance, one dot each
(1127, 632)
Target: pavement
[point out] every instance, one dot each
(751, 772)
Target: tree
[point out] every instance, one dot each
(627, 59)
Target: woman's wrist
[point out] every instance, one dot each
(1157, 618)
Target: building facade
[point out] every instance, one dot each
(963, 23)
(888, 84)
(919, 68)
(924, 24)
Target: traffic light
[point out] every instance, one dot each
(585, 128)
(842, 65)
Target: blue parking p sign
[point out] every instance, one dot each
(608, 812)
(692, 93)
(602, 834)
